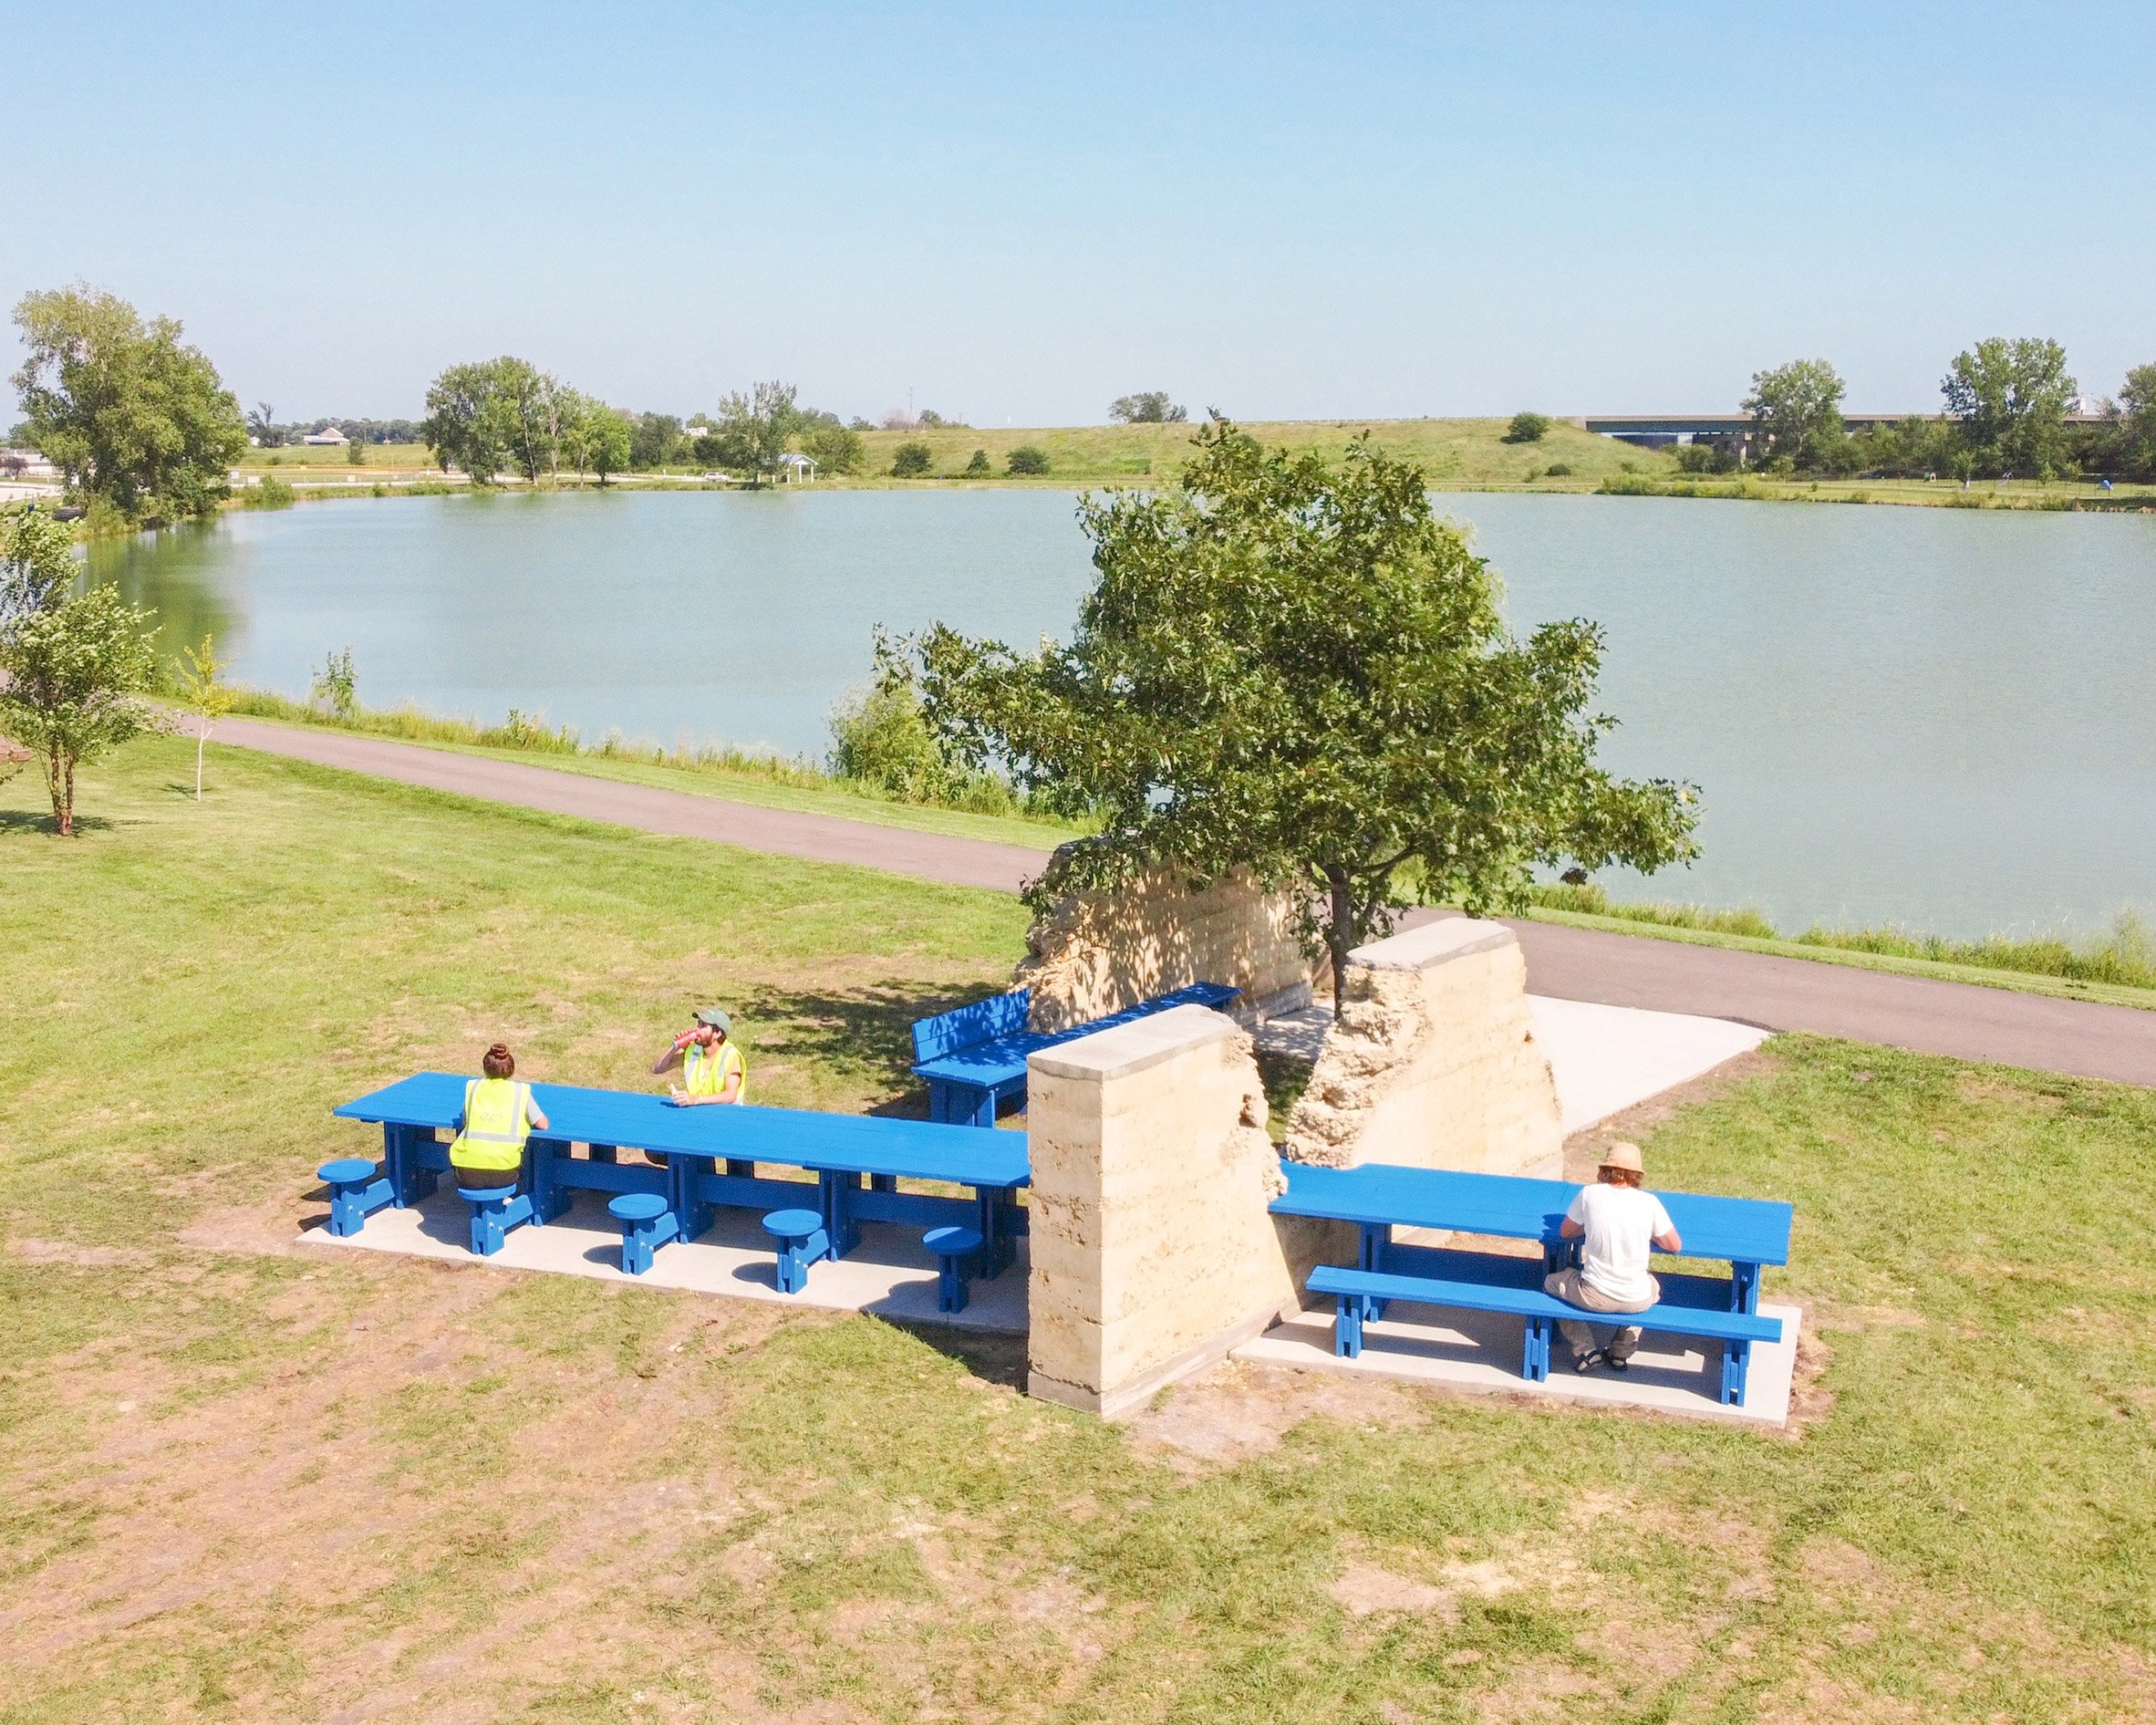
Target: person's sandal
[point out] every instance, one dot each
(1589, 1361)
(1616, 1365)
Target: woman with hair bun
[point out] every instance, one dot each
(499, 1116)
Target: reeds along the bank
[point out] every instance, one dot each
(2125, 954)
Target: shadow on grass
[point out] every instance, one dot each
(865, 1033)
(997, 1356)
(23, 820)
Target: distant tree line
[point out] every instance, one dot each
(2007, 402)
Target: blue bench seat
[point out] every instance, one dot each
(974, 1058)
(1686, 1308)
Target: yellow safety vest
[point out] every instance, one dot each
(495, 1123)
(704, 1075)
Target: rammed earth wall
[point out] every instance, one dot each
(1097, 953)
(1432, 1061)
(1153, 1251)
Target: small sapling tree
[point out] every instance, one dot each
(1302, 672)
(335, 689)
(206, 694)
(75, 670)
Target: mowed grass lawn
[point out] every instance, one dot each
(243, 1480)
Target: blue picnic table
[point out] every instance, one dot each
(974, 1057)
(1747, 1232)
(711, 1153)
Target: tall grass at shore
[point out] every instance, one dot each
(2125, 954)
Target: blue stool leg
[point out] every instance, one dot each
(950, 1286)
(1347, 1326)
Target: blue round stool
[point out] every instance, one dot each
(800, 1242)
(647, 1224)
(953, 1249)
(348, 1178)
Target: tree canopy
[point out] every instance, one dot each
(1796, 410)
(1148, 407)
(75, 669)
(2011, 397)
(130, 413)
(1302, 673)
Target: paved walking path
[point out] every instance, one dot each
(1582, 964)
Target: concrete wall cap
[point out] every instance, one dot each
(1132, 1047)
(1434, 943)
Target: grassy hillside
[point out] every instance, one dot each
(1467, 452)
(1463, 452)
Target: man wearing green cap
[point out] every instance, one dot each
(713, 1069)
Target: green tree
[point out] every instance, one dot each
(2136, 422)
(494, 414)
(36, 564)
(2011, 398)
(1148, 407)
(978, 468)
(593, 437)
(1028, 458)
(911, 461)
(1527, 428)
(656, 440)
(262, 427)
(1303, 673)
(133, 416)
(834, 448)
(1796, 414)
(754, 430)
(462, 428)
(205, 694)
(355, 449)
(75, 672)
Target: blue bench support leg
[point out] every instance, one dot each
(1347, 1326)
(1736, 1359)
(494, 1215)
(1534, 1364)
(550, 1199)
(641, 1239)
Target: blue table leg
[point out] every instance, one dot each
(1371, 1256)
(984, 1108)
(836, 1191)
(400, 1160)
(1743, 1288)
(549, 1198)
(693, 1216)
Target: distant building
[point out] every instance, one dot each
(328, 436)
(798, 467)
(26, 465)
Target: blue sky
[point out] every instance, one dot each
(1019, 211)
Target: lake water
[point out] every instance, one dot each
(1939, 718)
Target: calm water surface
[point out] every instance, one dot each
(1931, 717)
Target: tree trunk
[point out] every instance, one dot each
(1338, 925)
(62, 777)
(201, 737)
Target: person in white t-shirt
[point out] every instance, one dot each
(1616, 1223)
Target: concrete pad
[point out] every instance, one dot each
(1604, 1058)
(1607, 1058)
(1479, 1351)
(888, 1274)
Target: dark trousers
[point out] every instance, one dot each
(480, 1180)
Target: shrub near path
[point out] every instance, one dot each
(250, 1481)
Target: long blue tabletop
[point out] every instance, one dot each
(1741, 1230)
(798, 1137)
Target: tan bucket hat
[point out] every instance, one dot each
(1625, 1157)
